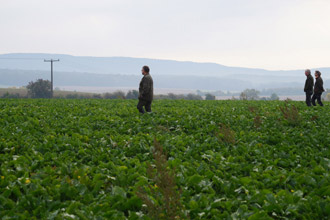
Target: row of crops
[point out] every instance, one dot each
(100, 159)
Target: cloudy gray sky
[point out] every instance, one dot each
(271, 34)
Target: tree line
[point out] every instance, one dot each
(42, 89)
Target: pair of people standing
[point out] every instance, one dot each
(311, 89)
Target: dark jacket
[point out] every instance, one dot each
(318, 88)
(146, 89)
(309, 84)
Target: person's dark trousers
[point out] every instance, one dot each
(318, 98)
(309, 98)
(144, 103)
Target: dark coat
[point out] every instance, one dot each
(146, 89)
(318, 88)
(309, 84)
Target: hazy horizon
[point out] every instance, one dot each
(160, 59)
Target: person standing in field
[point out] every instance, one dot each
(318, 89)
(146, 91)
(309, 84)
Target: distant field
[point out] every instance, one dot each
(90, 91)
(20, 91)
(292, 97)
(88, 159)
(23, 92)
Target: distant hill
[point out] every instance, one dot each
(118, 65)
(19, 69)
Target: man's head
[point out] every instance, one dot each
(145, 70)
(317, 74)
(307, 72)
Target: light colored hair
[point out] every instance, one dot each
(308, 71)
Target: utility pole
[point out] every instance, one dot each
(51, 71)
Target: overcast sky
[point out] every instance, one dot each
(271, 34)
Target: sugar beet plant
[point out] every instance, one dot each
(97, 159)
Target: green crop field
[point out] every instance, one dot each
(92, 159)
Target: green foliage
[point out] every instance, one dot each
(39, 89)
(209, 96)
(290, 113)
(164, 201)
(132, 94)
(249, 94)
(88, 159)
(77, 96)
(8, 95)
(226, 135)
(191, 96)
(257, 118)
(274, 96)
(115, 95)
(172, 96)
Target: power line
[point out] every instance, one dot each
(51, 71)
